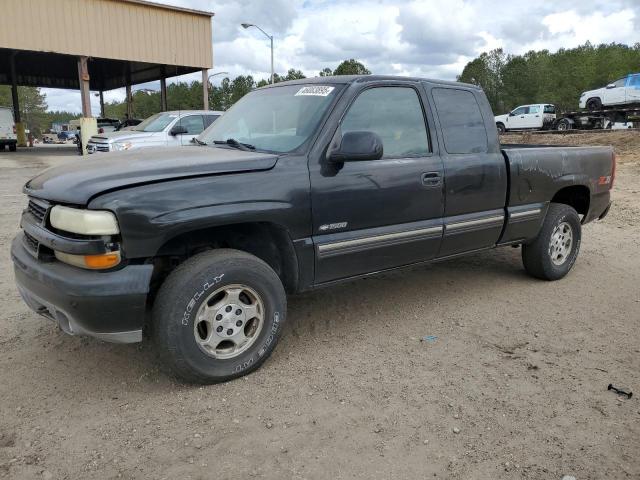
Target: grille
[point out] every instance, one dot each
(38, 209)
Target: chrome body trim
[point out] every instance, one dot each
(379, 239)
(474, 223)
(526, 213)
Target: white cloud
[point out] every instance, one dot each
(431, 38)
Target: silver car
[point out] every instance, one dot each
(164, 129)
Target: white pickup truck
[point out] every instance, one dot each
(525, 117)
(624, 91)
(164, 129)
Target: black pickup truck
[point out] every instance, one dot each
(300, 185)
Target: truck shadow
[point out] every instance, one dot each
(313, 318)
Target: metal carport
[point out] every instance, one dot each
(100, 45)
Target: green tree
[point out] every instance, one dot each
(351, 67)
(326, 72)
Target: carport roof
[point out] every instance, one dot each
(127, 42)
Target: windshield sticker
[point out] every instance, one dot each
(317, 91)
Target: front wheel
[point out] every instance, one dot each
(501, 128)
(554, 251)
(218, 316)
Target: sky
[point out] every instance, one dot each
(428, 38)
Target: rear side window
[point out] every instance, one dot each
(209, 119)
(549, 109)
(462, 124)
(534, 109)
(394, 113)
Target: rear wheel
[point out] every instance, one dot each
(218, 316)
(501, 128)
(554, 251)
(563, 125)
(594, 104)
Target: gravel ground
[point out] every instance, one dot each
(514, 386)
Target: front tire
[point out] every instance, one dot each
(218, 316)
(501, 128)
(594, 104)
(554, 251)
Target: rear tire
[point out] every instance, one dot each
(563, 125)
(554, 251)
(594, 104)
(218, 316)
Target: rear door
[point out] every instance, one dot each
(633, 89)
(378, 214)
(475, 170)
(534, 117)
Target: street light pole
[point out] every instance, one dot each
(270, 37)
(214, 74)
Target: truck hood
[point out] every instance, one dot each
(501, 118)
(121, 136)
(79, 181)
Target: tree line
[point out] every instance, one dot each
(543, 77)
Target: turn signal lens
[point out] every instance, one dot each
(91, 262)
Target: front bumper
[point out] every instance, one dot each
(110, 306)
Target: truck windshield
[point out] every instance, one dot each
(155, 123)
(277, 119)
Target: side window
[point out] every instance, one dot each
(620, 83)
(520, 111)
(635, 81)
(396, 115)
(549, 109)
(461, 120)
(209, 119)
(534, 109)
(193, 124)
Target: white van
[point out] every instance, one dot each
(524, 117)
(7, 130)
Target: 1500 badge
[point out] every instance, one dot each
(332, 226)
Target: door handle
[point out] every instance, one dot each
(431, 179)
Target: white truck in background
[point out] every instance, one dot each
(7, 130)
(536, 116)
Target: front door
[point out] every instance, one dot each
(475, 171)
(194, 125)
(616, 94)
(378, 214)
(517, 118)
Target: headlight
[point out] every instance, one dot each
(91, 262)
(84, 222)
(120, 146)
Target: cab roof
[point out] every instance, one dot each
(348, 79)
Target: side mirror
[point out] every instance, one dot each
(356, 146)
(511, 114)
(611, 85)
(178, 130)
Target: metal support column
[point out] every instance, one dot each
(22, 139)
(102, 104)
(163, 94)
(205, 88)
(85, 93)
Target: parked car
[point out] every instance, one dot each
(624, 91)
(67, 135)
(163, 129)
(8, 136)
(300, 185)
(537, 116)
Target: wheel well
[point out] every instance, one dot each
(267, 241)
(576, 196)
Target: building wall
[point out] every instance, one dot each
(116, 29)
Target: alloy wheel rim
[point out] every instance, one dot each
(561, 243)
(229, 321)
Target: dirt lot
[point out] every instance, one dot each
(519, 369)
